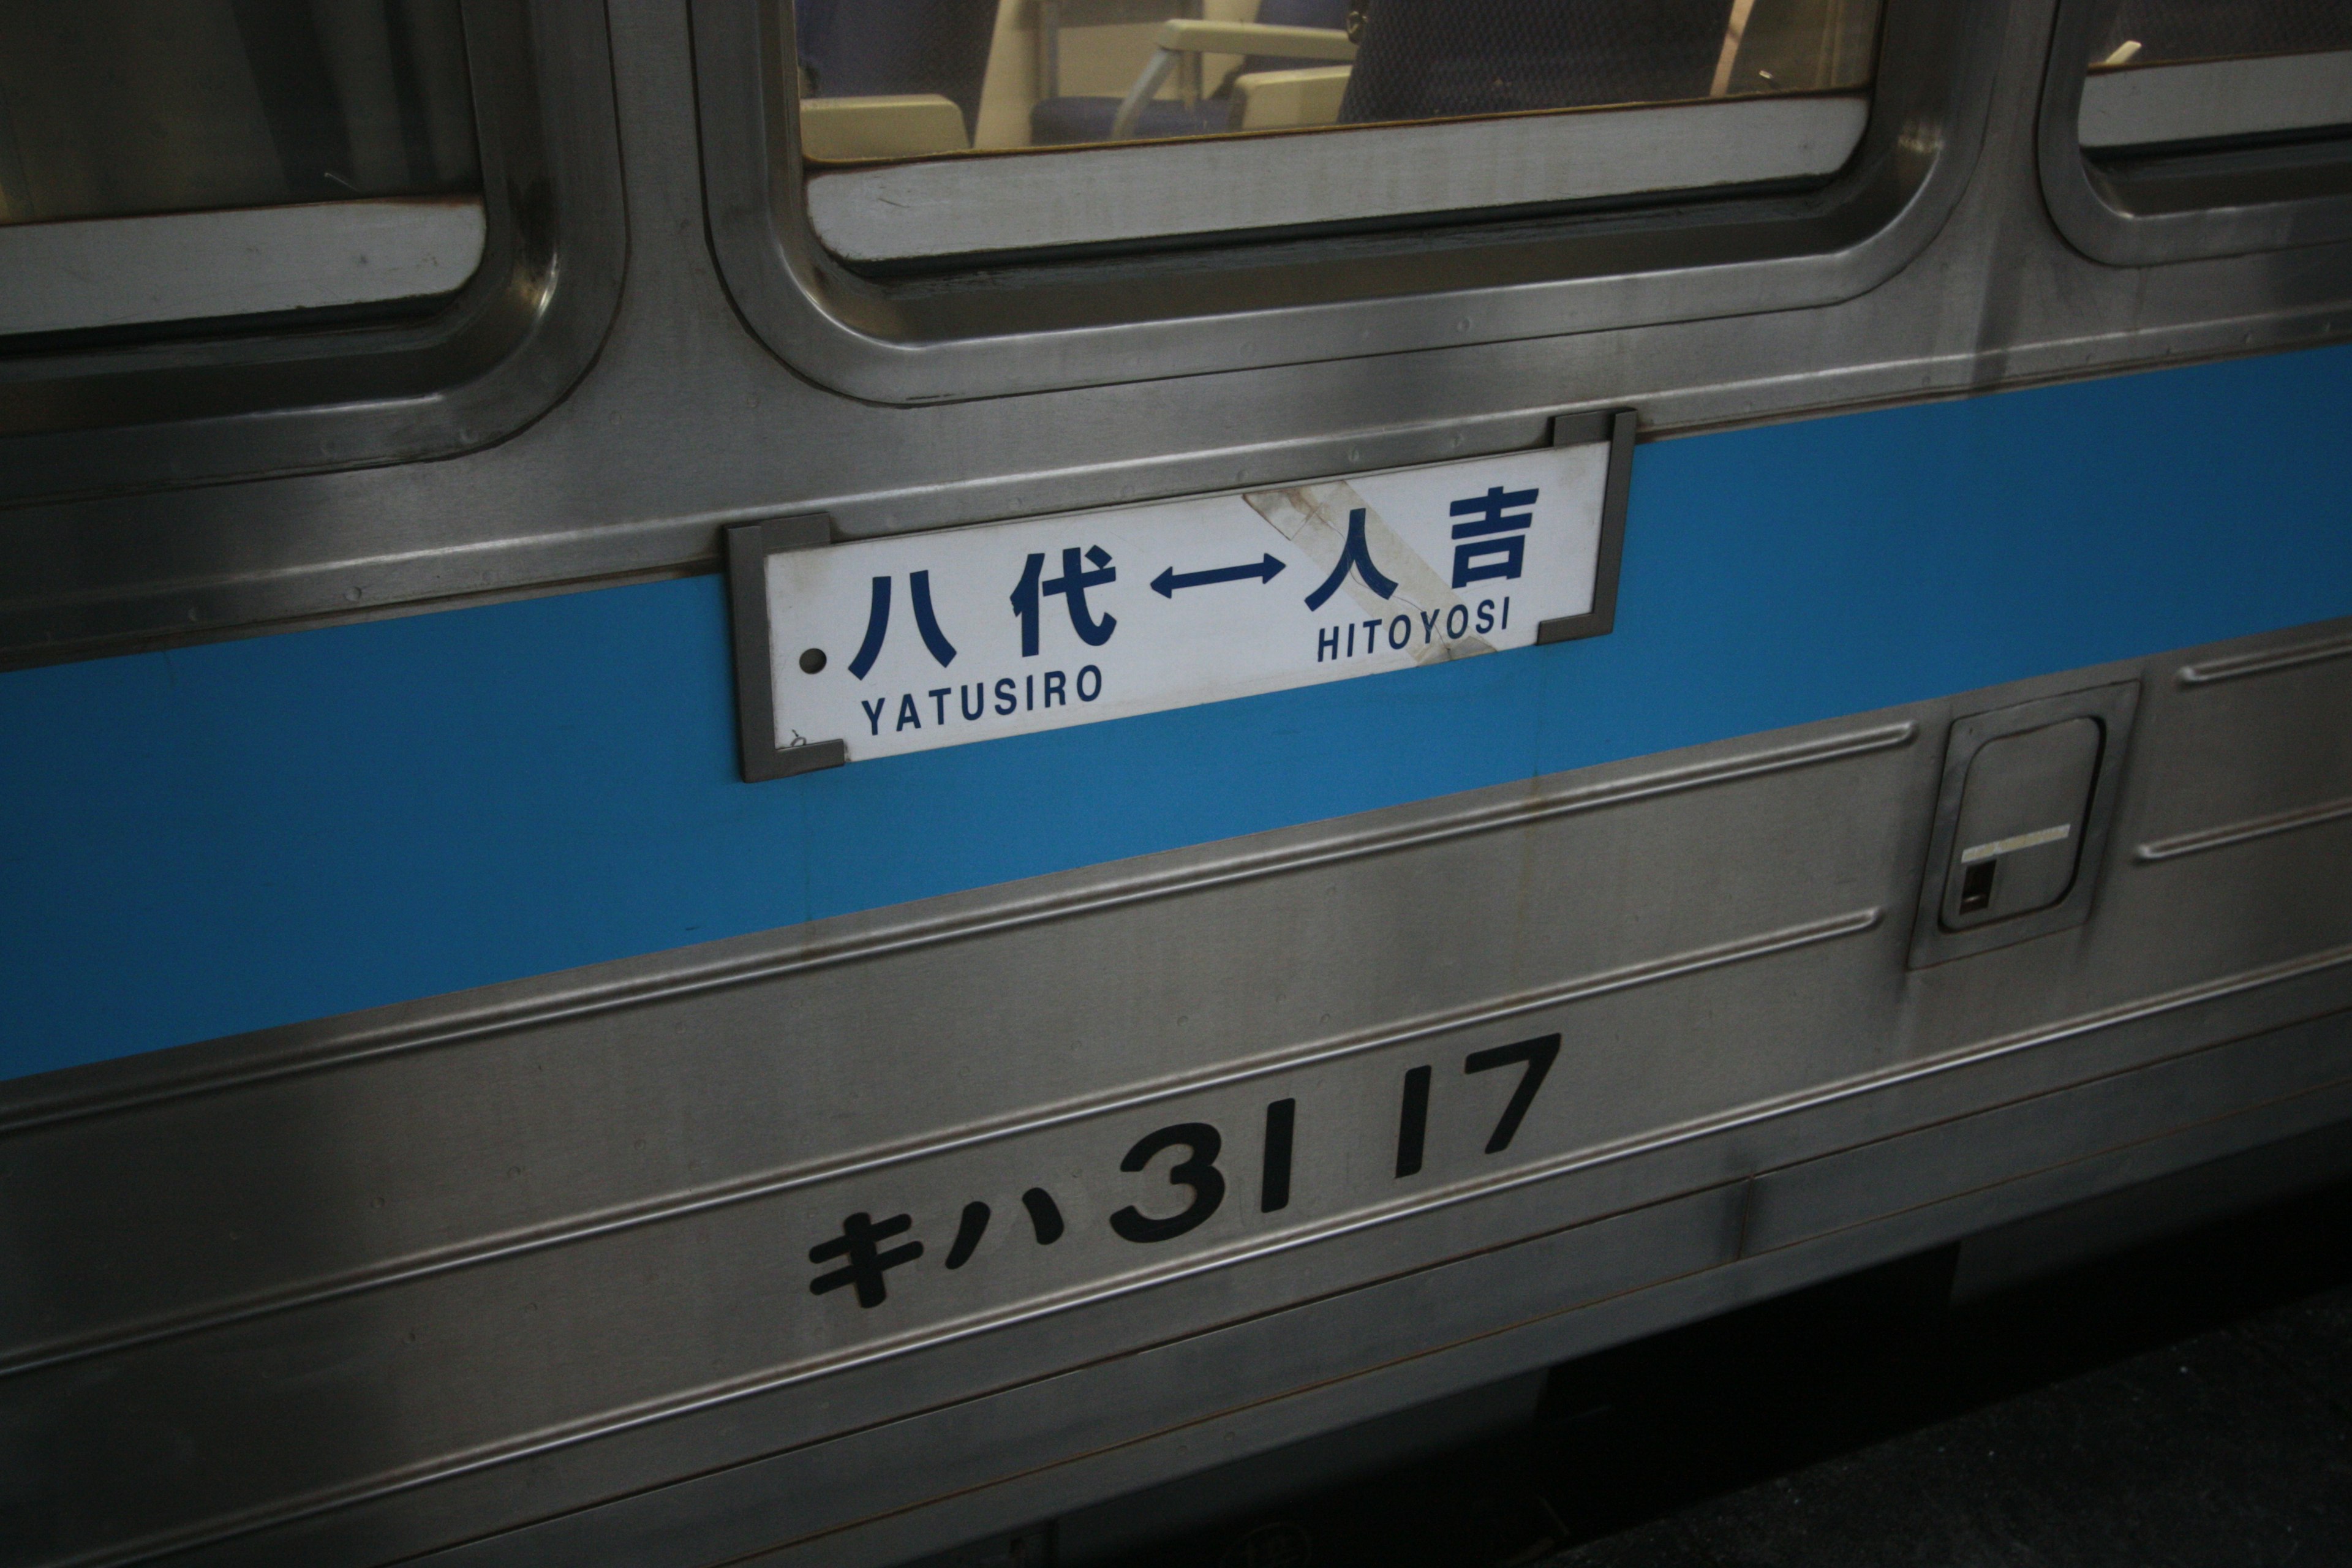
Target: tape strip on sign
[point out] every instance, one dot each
(870, 648)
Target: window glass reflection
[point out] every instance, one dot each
(2154, 32)
(896, 78)
(2200, 75)
(110, 107)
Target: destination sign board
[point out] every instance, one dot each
(874, 648)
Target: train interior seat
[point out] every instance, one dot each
(1424, 60)
(1282, 99)
(878, 84)
(1089, 118)
(875, 85)
(880, 81)
(882, 125)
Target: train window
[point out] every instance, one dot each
(927, 126)
(2170, 72)
(214, 158)
(2198, 127)
(939, 199)
(244, 236)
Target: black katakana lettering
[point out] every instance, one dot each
(1044, 1216)
(866, 1266)
(973, 1225)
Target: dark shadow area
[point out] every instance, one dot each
(1869, 1415)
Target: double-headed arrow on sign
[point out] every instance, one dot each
(1169, 579)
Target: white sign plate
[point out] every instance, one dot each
(901, 645)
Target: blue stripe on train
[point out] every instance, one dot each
(257, 832)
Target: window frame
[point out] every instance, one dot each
(997, 201)
(2154, 208)
(103, 410)
(1238, 302)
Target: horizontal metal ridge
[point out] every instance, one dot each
(2241, 832)
(2237, 666)
(310, 1053)
(2093, 1021)
(730, 1389)
(2141, 1141)
(749, 1385)
(768, 1183)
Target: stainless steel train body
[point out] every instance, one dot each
(439, 1084)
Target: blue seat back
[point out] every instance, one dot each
(1424, 60)
(1330, 13)
(1061, 120)
(856, 48)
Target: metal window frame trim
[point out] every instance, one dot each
(1046, 324)
(112, 411)
(936, 212)
(153, 271)
(2139, 211)
(2305, 98)
(747, 547)
(1619, 427)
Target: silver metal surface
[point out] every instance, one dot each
(686, 422)
(1569, 1278)
(413, 1276)
(2264, 661)
(1094, 196)
(519, 1276)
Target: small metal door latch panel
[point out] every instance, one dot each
(2020, 832)
(2022, 823)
